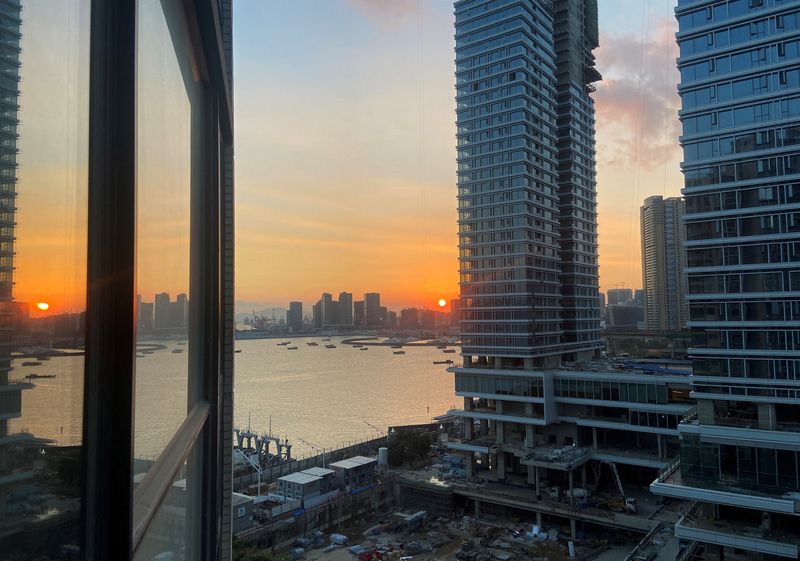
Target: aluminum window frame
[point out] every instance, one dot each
(110, 526)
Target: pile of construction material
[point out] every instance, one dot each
(489, 542)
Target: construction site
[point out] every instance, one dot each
(581, 508)
(556, 464)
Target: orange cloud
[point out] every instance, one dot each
(637, 148)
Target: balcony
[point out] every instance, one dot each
(616, 423)
(642, 457)
(742, 431)
(491, 414)
(735, 534)
(482, 445)
(671, 483)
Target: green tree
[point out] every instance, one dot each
(247, 551)
(409, 446)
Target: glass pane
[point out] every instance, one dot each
(44, 53)
(173, 532)
(168, 106)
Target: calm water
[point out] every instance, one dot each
(323, 396)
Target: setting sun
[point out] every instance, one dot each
(43, 306)
(442, 302)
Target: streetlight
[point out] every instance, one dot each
(255, 466)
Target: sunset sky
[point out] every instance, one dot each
(345, 158)
(345, 149)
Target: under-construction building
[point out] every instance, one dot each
(553, 437)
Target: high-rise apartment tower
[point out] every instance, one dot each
(526, 180)
(663, 264)
(740, 457)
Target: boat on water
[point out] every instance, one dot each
(443, 362)
(31, 363)
(291, 348)
(176, 351)
(38, 376)
(330, 346)
(399, 352)
(449, 351)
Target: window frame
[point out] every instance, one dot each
(111, 528)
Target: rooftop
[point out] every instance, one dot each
(318, 471)
(300, 478)
(354, 462)
(239, 499)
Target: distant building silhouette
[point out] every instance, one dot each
(409, 318)
(372, 309)
(346, 308)
(663, 264)
(161, 311)
(359, 313)
(427, 319)
(294, 316)
(620, 296)
(455, 312)
(316, 310)
(145, 317)
(170, 315)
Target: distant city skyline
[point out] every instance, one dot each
(381, 212)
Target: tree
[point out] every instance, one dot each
(247, 551)
(409, 446)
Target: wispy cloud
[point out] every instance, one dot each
(386, 12)
(637, 102)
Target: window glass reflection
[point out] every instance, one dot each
(43, 196)
(168, 99)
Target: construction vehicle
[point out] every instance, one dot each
(621, 503)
